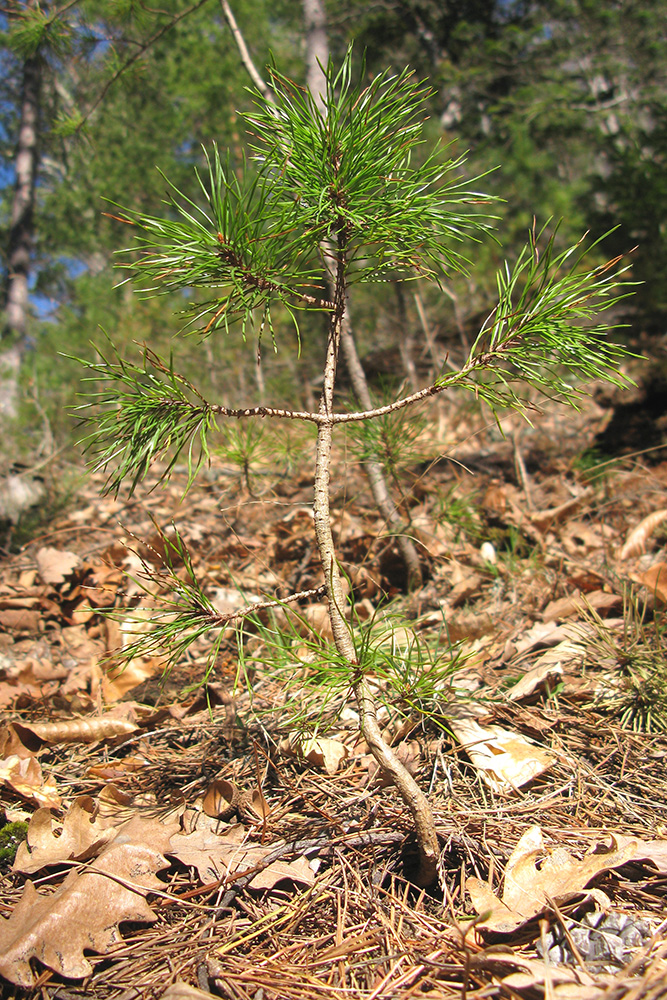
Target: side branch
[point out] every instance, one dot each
(264, 411)
(334, 418)
(235, 261)
(380, 411)
(216, 620)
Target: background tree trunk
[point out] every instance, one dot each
(317, 45)
(21, 234)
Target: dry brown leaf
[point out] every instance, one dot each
(20, 620)
(115, 803)
(298, 871)
(575, 603)
(550, 634)
(79, 730)
(534, 875)
(544, 519)
(13, 743)
(655, 580)
(145, 827)
(226, 600)
(467, 583)
(543, 675)
(115, 769)
(654, 851)
(81, 837)
(84, 832)
(24, 775)
(494, 500)
(637, 539)
(102, 585)
(548, 669)
(540, 634)
(582, 537)
(437, 537)
(506, 760)
(17, 599)
(317, 617)
(55, 565)
(318, 750)
(220, 856)
(409, 754)
(30, 677)
(83, 914)
(533, 974)
(119, 678)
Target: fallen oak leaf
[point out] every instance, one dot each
(20, 745)
(545, 519)
(654, 851)
(86, 832)
(532, 974)
(181, 991)
(24, 775)
(298, 871)
(318, 750)
(496, 915)
(534, 876)
(229, 856)
(83, 914)
(114, 769)
(55, 565)
(655, 580)
(409, 754)
(81, 837)
(550, 634)
(506, 760)
(545, 675)
(20, 620)
(577, 604)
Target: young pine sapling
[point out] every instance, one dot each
(335, 197)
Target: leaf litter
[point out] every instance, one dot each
(240, 843)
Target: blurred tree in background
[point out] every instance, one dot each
(568, 98)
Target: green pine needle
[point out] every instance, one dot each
(544, 334)
(143, 413)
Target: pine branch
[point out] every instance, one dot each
(141, 50)
(187, 614)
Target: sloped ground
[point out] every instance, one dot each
(234, 838)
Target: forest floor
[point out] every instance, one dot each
(221, 829)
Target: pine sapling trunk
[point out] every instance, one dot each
(387, 760)
(336, 201)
